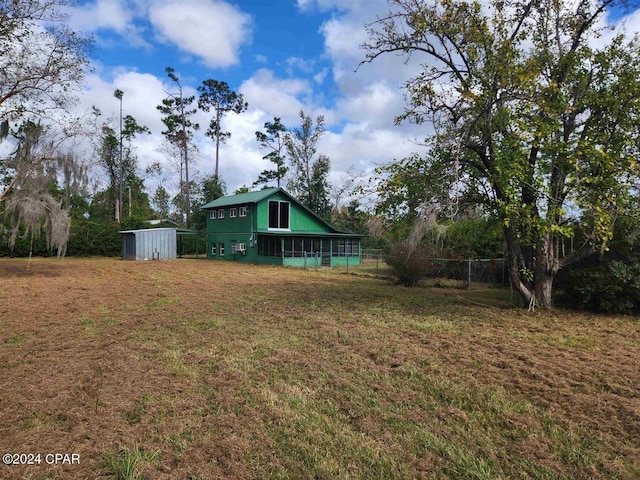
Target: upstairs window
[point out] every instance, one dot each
(243, 211)
(212, 214)
(221, 213)
(278, 214)
(233, 212)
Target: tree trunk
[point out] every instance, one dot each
(537, 292)
(547, 266)
(217, 139)
(515, 275)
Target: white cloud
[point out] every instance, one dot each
(210, 29)
(274, 96)
(240, 158)
(102, 15)
(328, 5)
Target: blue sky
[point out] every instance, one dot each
(283, 56)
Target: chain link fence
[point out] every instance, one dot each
(492, 271)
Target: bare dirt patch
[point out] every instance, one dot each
(219, 370)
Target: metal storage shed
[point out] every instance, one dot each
(152, 243)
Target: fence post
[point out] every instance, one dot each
(469, 274)
(316, 257)
(347, 263)
(304, 255)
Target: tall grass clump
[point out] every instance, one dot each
(409, 261)
(126, 464)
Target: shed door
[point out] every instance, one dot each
(129, 246)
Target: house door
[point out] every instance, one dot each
(326, 253)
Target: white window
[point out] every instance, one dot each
(243, 211)
(233, 212)
(221, 213)
(222, 249)
(242, 247)
(214, 249)
(212, 214)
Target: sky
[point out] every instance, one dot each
(283, 56)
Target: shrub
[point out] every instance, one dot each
(409, 263)
(609, 282)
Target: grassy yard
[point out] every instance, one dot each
(195, 369)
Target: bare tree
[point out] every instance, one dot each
(42, 60)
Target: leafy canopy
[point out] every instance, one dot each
(534, 108)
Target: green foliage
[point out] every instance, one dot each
(126, 464)
(607, 282)
(273, 138)
(406, 187)
(474, 238)
(219, 97)
(161, 202)
(350, 218)
(308, 181)
(534, 120)
(209, 189)
(177, 113)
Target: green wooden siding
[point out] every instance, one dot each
(306, 233)
(300, 220)
(229, 229)
(228, 224)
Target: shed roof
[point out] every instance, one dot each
(179, 231)
(240, 198)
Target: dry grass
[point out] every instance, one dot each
(202, 370)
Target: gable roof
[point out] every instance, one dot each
(241, 198)
(255, 197)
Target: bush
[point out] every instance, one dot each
(609, 286)
(409, 263)
(609, 282)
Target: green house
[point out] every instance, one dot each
(272, 227)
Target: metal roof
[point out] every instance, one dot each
(255, 197)
(288, 233)
(179, 231)
(240, 198)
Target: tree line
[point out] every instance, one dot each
(48, 177)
